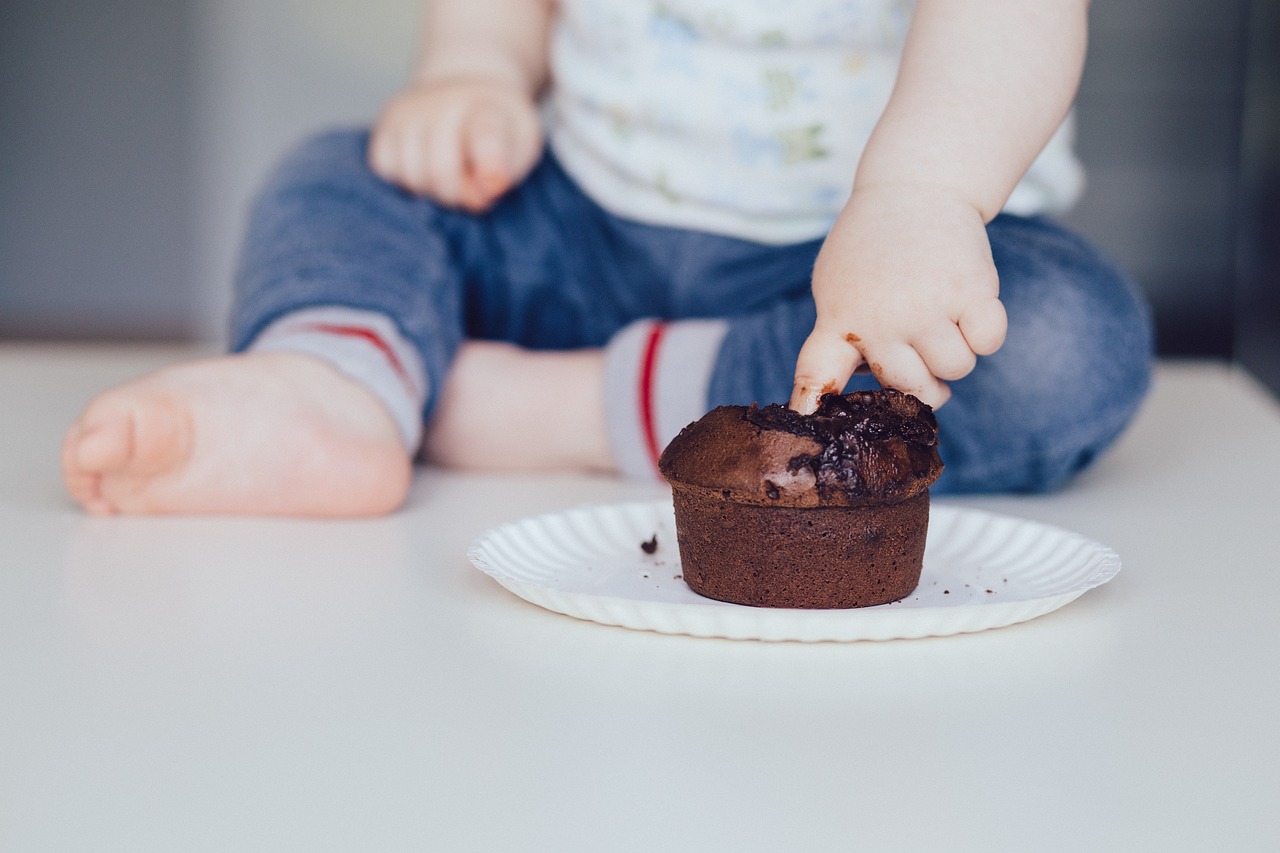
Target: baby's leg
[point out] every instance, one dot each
(286, 432)
(505, 408)
(595, 382)
(1070, 375)
(603, 409)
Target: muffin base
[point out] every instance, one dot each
(814, 558)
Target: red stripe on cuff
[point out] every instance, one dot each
(648, 415)
(371, 337)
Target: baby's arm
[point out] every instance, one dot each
(466, 129)
(905, 280)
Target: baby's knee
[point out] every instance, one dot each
(324, 159)
(1087, 331)
(1074, 373)
(325, 186)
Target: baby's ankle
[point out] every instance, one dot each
(505, 408)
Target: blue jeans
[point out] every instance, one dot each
(548, 268)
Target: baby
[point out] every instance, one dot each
(584, 224)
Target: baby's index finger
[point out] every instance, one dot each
(823, 366)
(805, 395)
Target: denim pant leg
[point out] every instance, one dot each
(1072, 371)
(326, 231)
(544, 268)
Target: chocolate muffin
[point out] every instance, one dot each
(829, 510)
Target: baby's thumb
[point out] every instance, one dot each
(824, 366)
(488, 152)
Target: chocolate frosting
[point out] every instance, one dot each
(858, 449)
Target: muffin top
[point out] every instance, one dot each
(859, 449)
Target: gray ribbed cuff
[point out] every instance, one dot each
(365, 346)
(656, 379)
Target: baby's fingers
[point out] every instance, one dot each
(384, 153)
(825, 363)
(488, 168)
(984, 325)
(399, 145)
(946, 353)
(503, 142)
(395, 158)
(899, 366)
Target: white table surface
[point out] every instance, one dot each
(192, 684)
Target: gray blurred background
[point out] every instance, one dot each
(135, 131)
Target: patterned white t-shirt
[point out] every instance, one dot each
(738, 117)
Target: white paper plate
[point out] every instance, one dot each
(981, 570)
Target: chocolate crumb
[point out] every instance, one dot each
(651, 545)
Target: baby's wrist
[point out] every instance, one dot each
(914, 191)
(471, 87)
(928, 188)
(496, 73)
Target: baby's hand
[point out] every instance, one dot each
(906, 284)
(462, 143)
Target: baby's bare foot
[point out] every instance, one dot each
(257, 434)
(505, 408)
